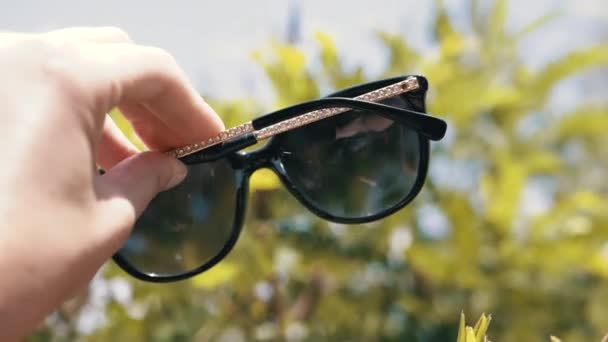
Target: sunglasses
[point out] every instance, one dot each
(355, 156)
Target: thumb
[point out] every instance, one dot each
(127, 188)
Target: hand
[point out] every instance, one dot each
(60, 219)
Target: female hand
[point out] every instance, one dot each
(60, 220)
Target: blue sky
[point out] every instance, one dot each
(213, 40)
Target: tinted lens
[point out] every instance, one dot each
(185, 227)
(354, 165)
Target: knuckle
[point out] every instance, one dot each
(168, 70)
(117, 33)
(163, 56)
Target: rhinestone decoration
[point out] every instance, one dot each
(221, 137)
(409, 84)
(305, 119)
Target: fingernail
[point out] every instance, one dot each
(179, 173)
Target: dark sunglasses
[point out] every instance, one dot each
(355, 156)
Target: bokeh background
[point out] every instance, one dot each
(513, 220)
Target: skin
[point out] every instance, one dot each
(60, 219)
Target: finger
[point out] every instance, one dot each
(128, 74)
(157, 135)
(11, 38)
(126, 189)
(106, 34)
(192, 122)
(114, 146)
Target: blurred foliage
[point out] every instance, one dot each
(513, 219)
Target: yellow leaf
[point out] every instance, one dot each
(402, 58)
(585, 122)
(482, 327)
(264, 179)
(216, 276)
(461, 329)
(478, 323)
(502, 190)
(329, 54)
(567, 65)
(496, 20)
(537, 23)
(542, 161)
(470, 335)
(598, 265)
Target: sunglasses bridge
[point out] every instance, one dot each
(267, 156)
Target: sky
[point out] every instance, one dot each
(214, 40)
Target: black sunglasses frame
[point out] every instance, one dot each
(245, 164)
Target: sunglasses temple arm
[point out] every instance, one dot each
(402, 87)
(221, 150)
(278, 122)
(430, 126)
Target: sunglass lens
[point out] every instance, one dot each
(187, 226)
(354, 165)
